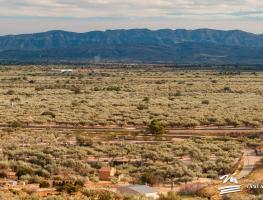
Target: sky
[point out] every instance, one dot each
(27, 16)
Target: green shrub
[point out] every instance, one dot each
(101, 195)
(24, 170)
(44, 184)
(68, 187)
(84, 140)
(49, 113)
(142, 107)
(156, 127)
(170, 196)
(205, 102)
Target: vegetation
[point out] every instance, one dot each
(133, 96)
(43, 155)
(66, 160)
(156, 127)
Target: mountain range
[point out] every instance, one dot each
(135, 45)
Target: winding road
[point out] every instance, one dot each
(250, 160)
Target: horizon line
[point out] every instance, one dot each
(128, 29)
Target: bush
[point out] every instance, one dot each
(69, 188)
(76, 90)
(39, 88)
(170, 196)
(43, 173)
(227, 89)
(113, 88)
(44, 184)
(84, 141)
(205, 102)
(23, 170)
(142, 107)
(146, 99)
(49, 113)
(3, 175)
(151, 178)
(101, 195)
(178, 94)
(16, 124)
(156, 127)
(114, 180)
(10, 92)
(32, 81)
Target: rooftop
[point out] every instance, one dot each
(106, 169)
(142, 189)
(259, 148)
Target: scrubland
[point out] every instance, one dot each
(133, 96)
(68, 161)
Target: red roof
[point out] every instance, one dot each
(259, 148)
(105, 169)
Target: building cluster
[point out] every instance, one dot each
(9, 181)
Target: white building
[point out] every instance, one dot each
(66, 70)
(142, 190)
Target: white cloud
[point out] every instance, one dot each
(127, 8)
(82, 15)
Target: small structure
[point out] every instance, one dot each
(7, 173)
(259, 150)
(141, 190)
(8, 183)
(66, 70)
(106, 173)
(11, 175)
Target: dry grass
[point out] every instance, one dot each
(131, 96)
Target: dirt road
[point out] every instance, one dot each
(250, 160)
(171, 132)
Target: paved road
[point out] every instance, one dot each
(250, 159)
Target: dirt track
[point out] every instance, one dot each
(250, 160)
(171, 132)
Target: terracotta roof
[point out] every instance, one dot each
(105, 169)
(260, 148)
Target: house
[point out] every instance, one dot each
(11, 175)
(259, 150)
(6, 173)
(141, 190)
(106, 173)
(7, 183)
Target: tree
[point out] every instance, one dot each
(23, 170)
(44, 184)
(151, 178)
(156, 127)
(84, 141)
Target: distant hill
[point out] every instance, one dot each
(135, 45)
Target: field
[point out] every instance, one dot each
(133, 96)
(44, 157)
(60, 125)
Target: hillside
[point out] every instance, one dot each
(137, 45)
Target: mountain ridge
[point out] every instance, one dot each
(180, 45)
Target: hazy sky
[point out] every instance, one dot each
(25, 16)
